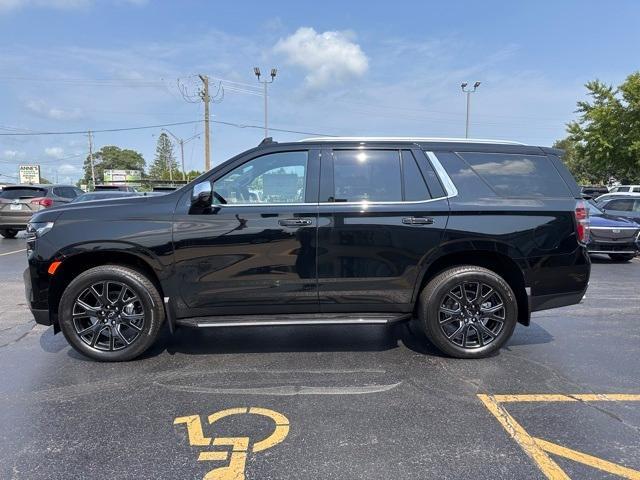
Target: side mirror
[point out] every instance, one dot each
(202, 194)
(201, 197)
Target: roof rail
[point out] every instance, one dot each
(409, 139)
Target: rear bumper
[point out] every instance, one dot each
(18, 222)
(545, 302)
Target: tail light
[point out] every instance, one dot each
(582, 221)
(43, 202)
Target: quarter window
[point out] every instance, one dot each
(513, 175)
(273, 178)
(367, 175)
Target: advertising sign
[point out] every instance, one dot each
(122, 177)
(29, 173)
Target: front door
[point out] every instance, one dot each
(255, 251)
(382, 215)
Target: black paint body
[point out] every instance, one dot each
(350, 258)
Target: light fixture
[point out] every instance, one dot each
(476, 85)
(464, 85)
(273, 72)
(256, 70)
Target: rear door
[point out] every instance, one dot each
(382, 215)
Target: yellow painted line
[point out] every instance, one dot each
(589, 460)
(548, 467)
(580, 397)
(212, 456)
(194, 430)
(15, 251)
(214, 417)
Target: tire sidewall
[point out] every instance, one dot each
(431, 308)
(131, 280)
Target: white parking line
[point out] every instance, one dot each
(15, 251)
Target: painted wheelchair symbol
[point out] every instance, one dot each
(239, 445)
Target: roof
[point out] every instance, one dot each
(410, 139)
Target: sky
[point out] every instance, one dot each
(344, 68)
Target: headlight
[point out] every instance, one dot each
(38, 229)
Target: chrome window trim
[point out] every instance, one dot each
(441, 173)
(448, 184)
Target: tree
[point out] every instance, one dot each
(112, 157)
(193, 174)
(605, 140)
(164, 166)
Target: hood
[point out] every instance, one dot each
(606, 220)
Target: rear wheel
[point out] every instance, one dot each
(621, 257)
(468, 311)
(9, 233)
(111, 313)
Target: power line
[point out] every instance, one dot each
(219, 122)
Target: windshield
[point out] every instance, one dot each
(22, 192)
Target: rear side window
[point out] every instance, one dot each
(621, 205)
(367, 175)
(514, 175)
(622, 189)
(24, 192)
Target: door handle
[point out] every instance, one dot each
(417, 221)
(295, 222)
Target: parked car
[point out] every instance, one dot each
(121, 188)
(468, 236)
(625, 189)
(622, 205)
(612, 235)
(102, 195)
(19, 202)
(593, 191)
(608, 196)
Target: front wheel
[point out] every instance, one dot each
(9, 233)
(621, 257)
(111, 313)
(468, 311)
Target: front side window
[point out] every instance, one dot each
(273, 178)
(367, 175)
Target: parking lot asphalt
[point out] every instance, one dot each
(562, 400)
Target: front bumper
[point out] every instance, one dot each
(629, 248)
(41, 315)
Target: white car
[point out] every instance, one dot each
(607, 196)
(625, 189)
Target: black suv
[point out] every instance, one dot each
(468, 237)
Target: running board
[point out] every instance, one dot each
(296, 319)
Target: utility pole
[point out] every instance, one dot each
(204, 94)
(468, 91)
(256, 72)
(93, 172)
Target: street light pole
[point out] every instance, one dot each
(181, 142)
(468, 91)
(273, 73)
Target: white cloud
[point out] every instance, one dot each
(327, 57)
(68, 169)
(40, 107)
(13, 154)
(54, 152)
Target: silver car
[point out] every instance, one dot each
(19, 202)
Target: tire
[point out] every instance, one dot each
(457, 333)
(10, 233)
(621, 257)
(135, 316)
